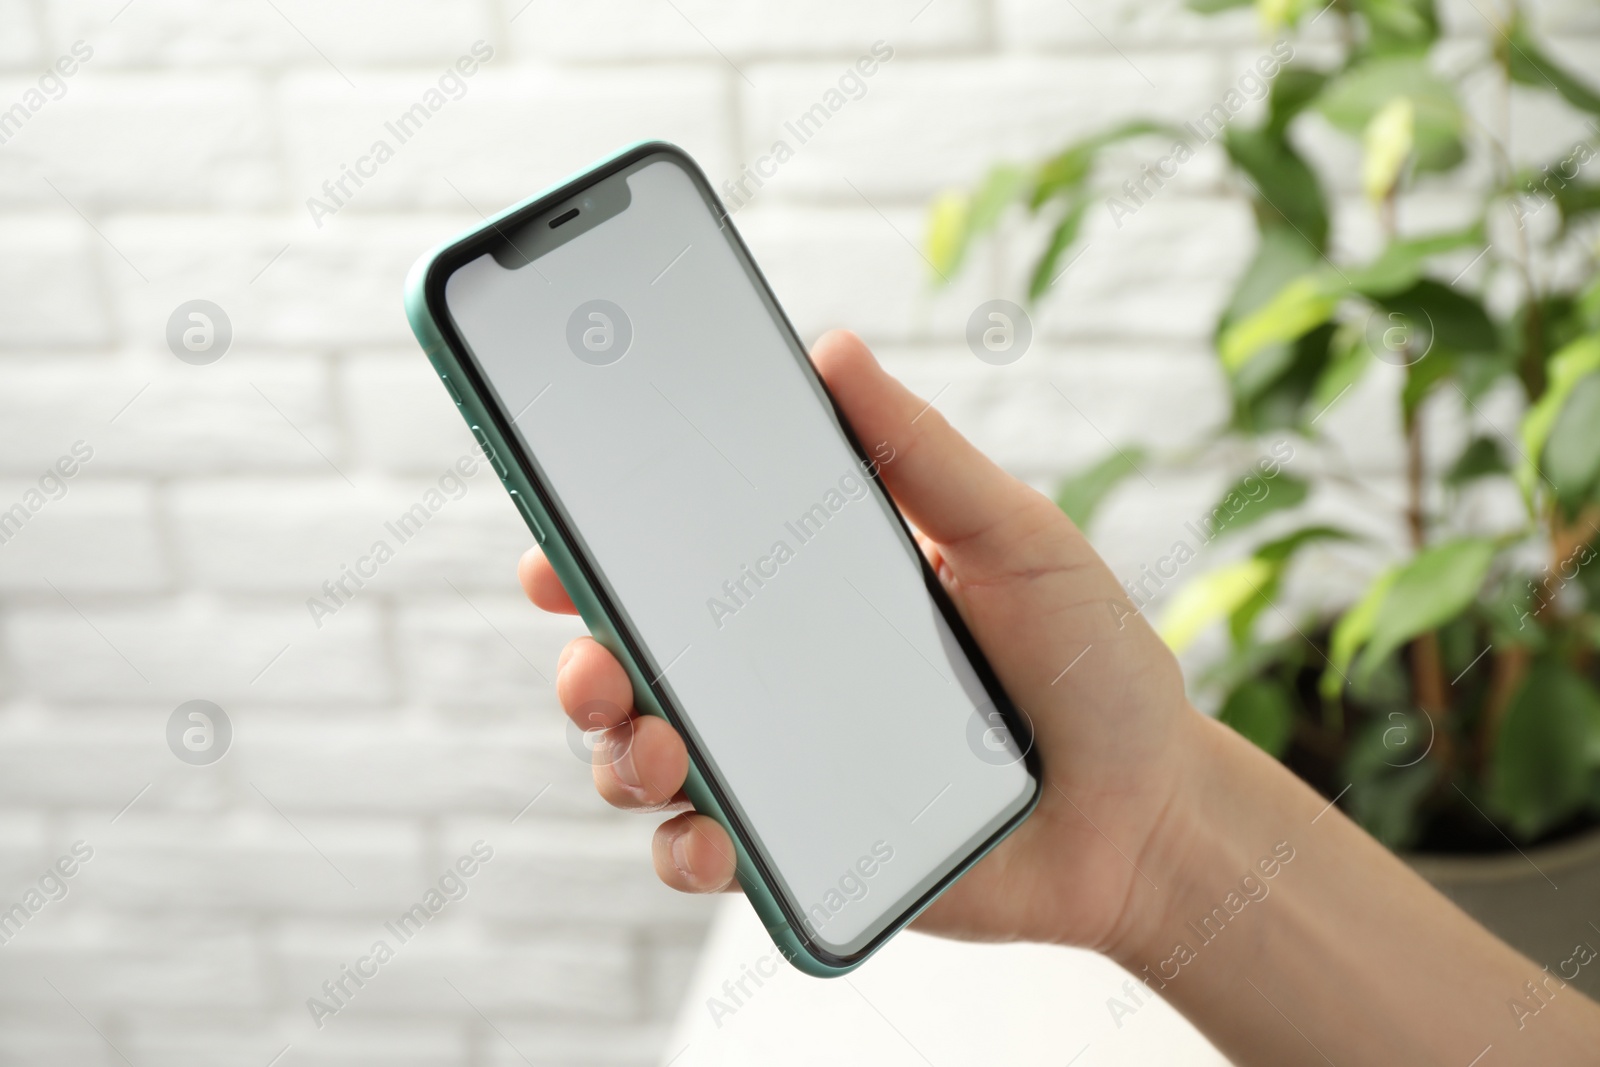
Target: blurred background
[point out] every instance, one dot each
(195, 494)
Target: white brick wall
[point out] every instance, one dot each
(370, 752)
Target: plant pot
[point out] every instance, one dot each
(1544, 901)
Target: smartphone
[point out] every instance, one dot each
(628, 373)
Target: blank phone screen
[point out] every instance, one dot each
(780, 605)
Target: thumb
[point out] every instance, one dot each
(987, 524)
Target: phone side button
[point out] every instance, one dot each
(450, 387)
(488, 450)
(527, 513)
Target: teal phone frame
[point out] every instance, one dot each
(425, 310)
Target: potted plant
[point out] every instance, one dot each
(1452, 705)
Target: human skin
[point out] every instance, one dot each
(1152, 813)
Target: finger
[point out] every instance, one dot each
(693, 854)
(984, 519)
(539, 581)
(641, 765)
(592, 686)
(935, 558)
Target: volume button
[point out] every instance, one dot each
(450, 387)
(527, 513)
(488, 450)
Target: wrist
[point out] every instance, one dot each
(1220, 843)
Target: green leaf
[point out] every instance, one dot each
(1352, 631)
(1211, 597)
(1349, 358)
(1269, 390)
(1289, 192)
(1276, 554)
(1421, 377)
(1573, 199)
(1388, 782)
(1300, 306)
(1586, 307)
(1399, 25)
(946, 240)
(1292, 92)
(1242, 619)
(1529, 65)
(1283, 549)
(1080, 494)
(1482, 458)
(1061, 238)
(1386, 143)
(1272, 395)
(1280, 14)
(1280, 254)
(1565, 369)
(1435, 586)
(998, 190)
(1455, 320)
(1064, 174)
(1252, 498)
(1399, 266)
(1260, 710)
(1572, 453)
(1360, 92)
(1539, 766)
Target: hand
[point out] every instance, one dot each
(1105, 696)
(1140, 791)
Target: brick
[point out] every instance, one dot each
(281, 282)
(569, 975)
(193, 647)
(195, 1040)
(299, 536)
(1060, 408)
(390, 1042)
(577, 872)
(250, 859)
(20, 44)
(563, 121)
(183, 33)
(54, 257)
(59, 762)
(852, 267)
(670, 957)
(1551, 20)
(106, 965)
(149, 413)
(401, 418)
(915, 131)
(1165, 273)
(217, 125)
(417, 771)
(699, 30)
(1033, 25)
(574, 1045)
(98, 535)
(62, 1039)
(494, 650)
(25, 849)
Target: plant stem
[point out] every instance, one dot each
(1427, 663)
(1508, 669)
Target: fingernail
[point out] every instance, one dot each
(619, 750)
(680, 854)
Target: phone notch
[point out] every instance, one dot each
(554, 226)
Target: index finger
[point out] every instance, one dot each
(539, 581)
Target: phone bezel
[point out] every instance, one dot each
(494, 233)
